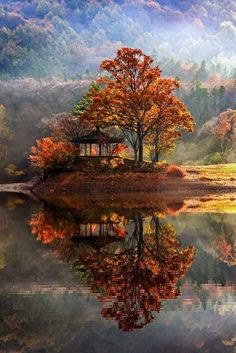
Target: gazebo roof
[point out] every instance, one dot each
(99, 137)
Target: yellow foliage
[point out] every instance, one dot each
(11, 170)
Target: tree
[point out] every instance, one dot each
(83, 105)
(68, 127)
(218, 100)
(48, 226)
(225, 129)
(5, 132)
(132, 277)
(134, 96)
(49, 154)
(198, 101)
(172, 117)
(87, 117)
(202, 73)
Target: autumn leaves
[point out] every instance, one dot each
(50, 153)
(134, 97)
(131, 96)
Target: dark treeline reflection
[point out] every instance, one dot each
(132, 262)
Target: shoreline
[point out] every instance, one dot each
(196, 182)
(126, 191)
(201, 185)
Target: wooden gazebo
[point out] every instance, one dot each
(100, 139)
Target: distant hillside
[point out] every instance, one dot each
(69, 38)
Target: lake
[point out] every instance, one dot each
(112, 279)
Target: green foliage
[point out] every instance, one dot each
(5, 132)
(83, 105)
(100, 27)
(205, 103)
(214, 158)
(202, 73)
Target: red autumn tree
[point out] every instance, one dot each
(136, 277)
(172, 117)
(118, 149)
(132, 277)
(225, 129)
(137, 99)
(49, 153)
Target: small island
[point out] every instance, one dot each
(117, 176)
(114, 139)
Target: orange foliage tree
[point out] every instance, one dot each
(137, 100)
(172, 117)
(49, 225)
(133, 275)
(118, 149)
(139, 274)
(49, 153)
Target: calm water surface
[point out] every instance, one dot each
(113, 280)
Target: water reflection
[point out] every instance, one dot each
(133, 264)
(225, 243)
(124, 262)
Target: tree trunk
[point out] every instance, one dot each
(140, 144)
(157, 155)
(140, 159)
(135, 155)
(138, 233)
(140, 239)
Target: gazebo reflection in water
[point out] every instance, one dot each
(99, 230)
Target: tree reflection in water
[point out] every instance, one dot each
(132, 263)
(225, 243)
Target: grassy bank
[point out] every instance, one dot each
(217, 172)
(198, 181)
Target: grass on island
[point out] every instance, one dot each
(219, 174)
(215, 172)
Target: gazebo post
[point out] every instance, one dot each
(100, 150)
(85, 149)
(90, 149)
